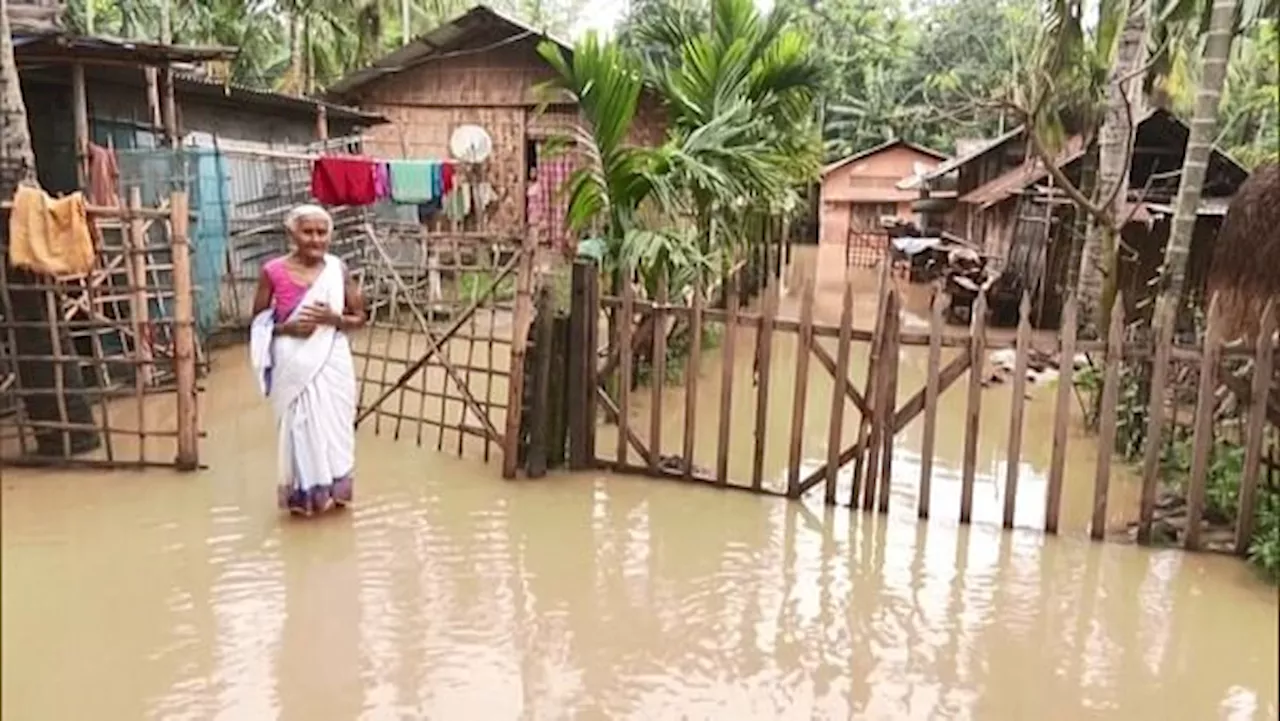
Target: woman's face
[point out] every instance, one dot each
(311, 238)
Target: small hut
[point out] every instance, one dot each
(481, 68)
(1246, 255)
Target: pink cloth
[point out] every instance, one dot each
(381, 181)
(286, 293)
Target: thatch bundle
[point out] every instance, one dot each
(1246, 257)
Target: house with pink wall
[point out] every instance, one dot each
(860, 189)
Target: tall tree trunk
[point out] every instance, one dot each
(1099, 265)
(1217, 51)
(17, 166)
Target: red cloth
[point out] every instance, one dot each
(343, 180)
(446, 179)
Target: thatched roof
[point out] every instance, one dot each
(1246, 257)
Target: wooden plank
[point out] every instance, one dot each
(931, 392)
(973, 410)
(1016, 411)
(1155, 420)
(1263, 366)
(581, 356)
(188, 458)
(658, 376)
(1061, 413)
(835, 431)
(829, 363)
(804, 341)
(1107, 419)
(764, 356)
(520, 323)
(726, 381)
(625, 367)
(887, 398)
(692, 370)
(1202, 438)
(868, 430)
(540, 423)
(592, 378)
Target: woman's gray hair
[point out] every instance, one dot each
(303, 212)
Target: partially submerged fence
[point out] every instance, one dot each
(100, 369)
(860, 447)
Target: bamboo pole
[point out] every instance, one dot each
(184, 335)
(80, 114)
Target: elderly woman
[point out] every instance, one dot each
(305, 304)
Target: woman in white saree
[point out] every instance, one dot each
(305, 305)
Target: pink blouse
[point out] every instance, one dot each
(286, 293)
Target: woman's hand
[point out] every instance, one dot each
(296, 329)
(319, 313)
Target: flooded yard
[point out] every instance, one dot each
(447, 593)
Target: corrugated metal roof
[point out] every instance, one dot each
(61, 45)
(992, 144)
(188, 83)
(1022, 177)
(445, 38)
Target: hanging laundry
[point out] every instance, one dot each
(412, 181)
(50, 236)
(429, 210)
(381, 181)
(482, 196)
(343, 180)
(458, 204)
(104, 176)
(447, 177)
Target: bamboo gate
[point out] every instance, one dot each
(592, 398)
(121, 346)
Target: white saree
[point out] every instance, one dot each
(312, 387)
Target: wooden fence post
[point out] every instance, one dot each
(1202, 433)
(973, 409)
(1264, 362)
(539, 409)
(1163, 338)
(1107, 421)
(1019, 402)
(581, 355)
(1061, 413)
(184, 339)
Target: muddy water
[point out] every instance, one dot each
(447, 593)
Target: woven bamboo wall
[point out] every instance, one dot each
(496, 89)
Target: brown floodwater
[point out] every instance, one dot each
(447, 593)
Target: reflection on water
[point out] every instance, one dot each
(450, 594)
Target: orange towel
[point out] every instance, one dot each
(50, 236)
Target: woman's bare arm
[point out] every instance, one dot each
(353, 314)
(262, 297)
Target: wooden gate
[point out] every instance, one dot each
(442, 356)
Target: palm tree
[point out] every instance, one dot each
(1217, 51)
